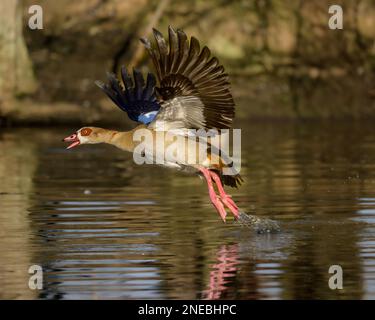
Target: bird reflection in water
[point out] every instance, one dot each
(222, 271)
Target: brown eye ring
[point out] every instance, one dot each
(86, 132)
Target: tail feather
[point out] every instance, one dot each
(233, 181)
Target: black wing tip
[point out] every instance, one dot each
(137, 73)
(135, 98)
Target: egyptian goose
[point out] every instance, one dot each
(193, 93)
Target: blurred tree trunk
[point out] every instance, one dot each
(153, 21)
(16, 73)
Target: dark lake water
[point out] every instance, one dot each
(102, 227)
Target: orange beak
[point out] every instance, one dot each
(74, 139)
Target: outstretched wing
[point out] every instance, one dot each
(137, 99)
(193, 85)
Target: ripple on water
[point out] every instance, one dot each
(102, 227)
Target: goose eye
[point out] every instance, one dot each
(86, 132)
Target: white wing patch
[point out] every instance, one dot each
(184, 112)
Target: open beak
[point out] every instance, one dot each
(74, 139)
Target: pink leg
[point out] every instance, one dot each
(213, 196)
(226, 198)
(220, 187)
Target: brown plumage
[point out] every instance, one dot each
(185, 70)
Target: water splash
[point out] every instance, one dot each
(260, 225)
